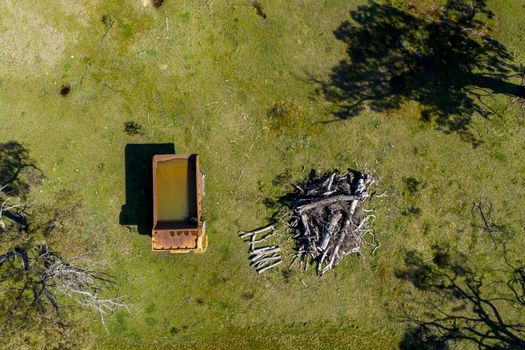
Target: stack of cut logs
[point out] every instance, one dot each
(262, 258)
(328, 218)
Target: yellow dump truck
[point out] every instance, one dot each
(177, 212)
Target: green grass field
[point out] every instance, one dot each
(203, 76)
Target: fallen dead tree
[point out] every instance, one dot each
(39, 283)
(328, 218)
(45, 281)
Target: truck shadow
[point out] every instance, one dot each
(138, 209)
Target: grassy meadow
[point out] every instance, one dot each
(204, 75)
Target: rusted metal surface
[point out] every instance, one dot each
(177, 204)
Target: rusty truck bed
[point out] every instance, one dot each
(177, 212)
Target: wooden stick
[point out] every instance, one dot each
(293, 262)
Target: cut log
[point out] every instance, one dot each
(265, 237)
(244, 234)
(265, 260)
(262, 258)
(261, 270)
(264, 249)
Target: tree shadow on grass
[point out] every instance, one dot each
(18, 173)
(138, 209)
(446, 62)
(17, 170)
(464, 306)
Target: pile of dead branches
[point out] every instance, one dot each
(45, 278)
(329, 219)
(41, 282)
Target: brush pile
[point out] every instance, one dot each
(328, 218)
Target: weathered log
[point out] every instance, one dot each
(335, 253)
(331, 227)
(328, 201)
(330, 182)
(264, 260)
(254, 257)
(340, 240)
(304, 220)
(252, 241)
(316, 231)
(263, 255)
(320, 262)
(244, 234)
(261, 270)
(265, 237)
(264, 249)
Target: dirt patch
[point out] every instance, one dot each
(247, 295)
(152, 3)
(28, 42)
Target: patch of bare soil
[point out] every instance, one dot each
(152, 3)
